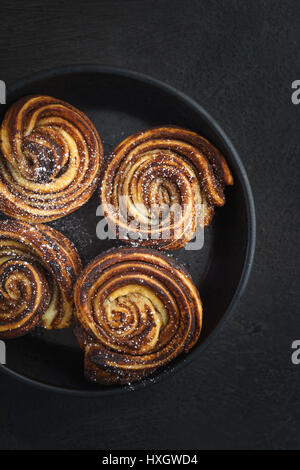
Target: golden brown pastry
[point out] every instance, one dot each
(51, 159)
(135, 311)
(163, 167)
(38, 268)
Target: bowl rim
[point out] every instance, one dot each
(250, 209)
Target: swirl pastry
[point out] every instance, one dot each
(135, 311)
(51, 159)
(161, 185)
(38, 267)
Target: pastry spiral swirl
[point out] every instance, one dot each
(135, 311)
(51, 159)
(161, 185)
(38, 268)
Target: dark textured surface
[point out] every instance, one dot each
(238, 60)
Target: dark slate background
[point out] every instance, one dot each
(238, 60)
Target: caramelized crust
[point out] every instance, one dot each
(51, 159)
(38, 268)
(163, 167)
(135, 311)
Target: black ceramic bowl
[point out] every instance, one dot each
(120, 102)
